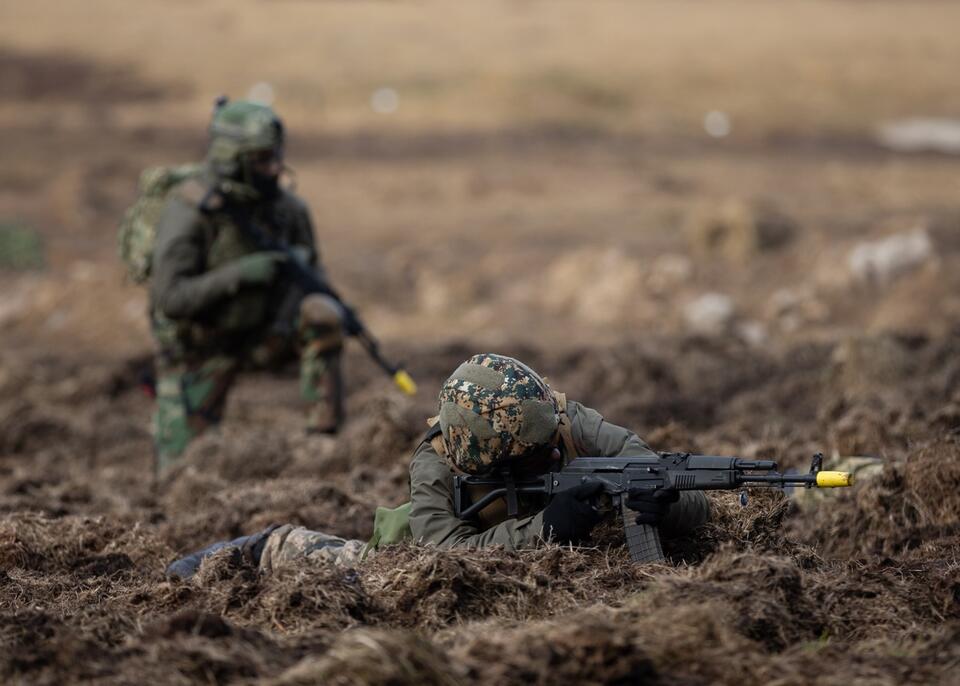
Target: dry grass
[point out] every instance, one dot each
(866, 581)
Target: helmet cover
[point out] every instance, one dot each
(495, 409)
(238, 128)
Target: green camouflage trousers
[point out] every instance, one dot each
(291, 546)
(192, 388)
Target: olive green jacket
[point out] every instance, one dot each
(433, 519)
(193, 279)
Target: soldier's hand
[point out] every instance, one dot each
(651, 506)
(259, 267)
(570, 516)
(302, 254)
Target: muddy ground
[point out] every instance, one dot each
(563, 206)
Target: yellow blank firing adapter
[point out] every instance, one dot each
(834, 479)
(405, 382)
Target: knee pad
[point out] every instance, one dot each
(320, 323)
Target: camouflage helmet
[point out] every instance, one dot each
(495, 409)
(238, 128)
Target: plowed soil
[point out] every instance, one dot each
(867, 581)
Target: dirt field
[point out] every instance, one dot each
(545, 188)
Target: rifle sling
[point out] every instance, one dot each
(510, 483)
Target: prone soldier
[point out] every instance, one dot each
(493, 412)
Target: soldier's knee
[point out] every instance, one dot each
(321, 323)
(273, 550)
(320, 310)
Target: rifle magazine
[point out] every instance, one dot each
(643, 540)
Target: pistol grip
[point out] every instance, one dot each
(643, 540)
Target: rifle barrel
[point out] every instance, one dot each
(822, 479)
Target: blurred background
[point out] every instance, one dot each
(553, 173)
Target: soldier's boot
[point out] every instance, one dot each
(249, 548)
(327, 414)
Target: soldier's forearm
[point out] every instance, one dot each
(451, 532)
(184, 297)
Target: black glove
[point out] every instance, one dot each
(651, 506)
(569, 518)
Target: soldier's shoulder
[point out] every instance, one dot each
(584, 421)
(578, 412)
(193, 196)
(192, 192)
(427, 460)
(426, 452)
(178, 213)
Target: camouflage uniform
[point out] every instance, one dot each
(292, 546)
(209, 323)
(433, 519)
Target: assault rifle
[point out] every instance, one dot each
(306, 278)
(620, 475)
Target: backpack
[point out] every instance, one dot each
(138, 228)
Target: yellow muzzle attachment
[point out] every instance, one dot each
(405, 382)
(834, 479)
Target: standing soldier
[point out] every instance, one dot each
(219, 303)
